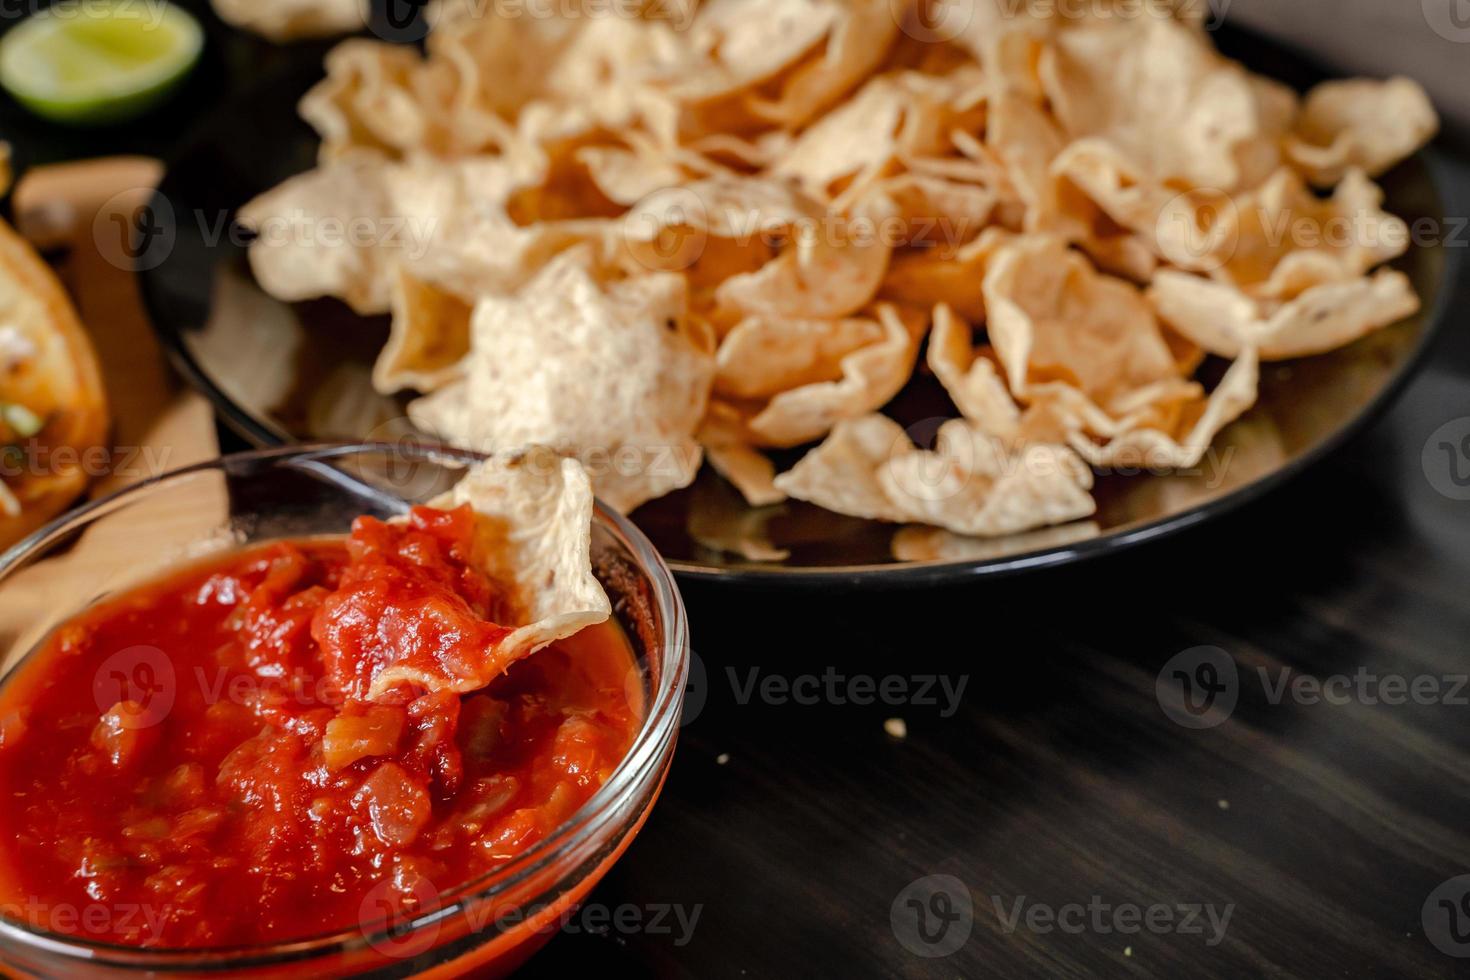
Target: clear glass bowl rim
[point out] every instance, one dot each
(640, 769)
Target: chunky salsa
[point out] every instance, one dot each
(196, 763)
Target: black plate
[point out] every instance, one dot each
(281, 373)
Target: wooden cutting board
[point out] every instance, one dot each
(158, 424)
(68, 211)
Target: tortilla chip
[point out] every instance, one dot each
(860, 37)
(1190, 229)
(869, 468)
(1286, 239)
(720, 207)
(932, 278)
(1028, 143)
(973, 382)
(533, 539)
(612, 371)
(386, 98)
(728, 446)
(832, 269)
(892, 117)
(871, 376)
(1156, 89)
(972, 484)
(762, 357)
(754, 63)
(366, 100)
(428, 338)
(738, 44)
(841, 475)
(1184, 440)
(290, 20)
(626, 176)
(937, 212)
(295, 265)
(1363, 123)
(341, 229)
(1052, 317)
(1225, 321)
(748, 470)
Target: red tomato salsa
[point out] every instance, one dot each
(193, 764)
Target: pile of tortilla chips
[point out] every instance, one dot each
(649, 234)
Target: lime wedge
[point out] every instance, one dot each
(98, 62)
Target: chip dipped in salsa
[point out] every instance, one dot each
(213, 750)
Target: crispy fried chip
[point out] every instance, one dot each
(1052, 317)
(1225, 321)
(1158, 91)
(1286, 239)
(612, 371)
(841, 474)
(973, 382)
(727, 445)
(428, 338)
(933, 278)
(777, 62)
(1360, 123)
(871, 376)
(748, 470)
(833, 269)
(1181, 441)
(829, 265)
(899, 116)
(533, 539)
(971, 484)
(341, 229)
(762, 357)
(626, 176)
(378, 96)
(288, 20)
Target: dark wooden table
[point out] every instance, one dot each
(1057, 821)
(1060, 787)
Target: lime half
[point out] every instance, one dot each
(98, 62)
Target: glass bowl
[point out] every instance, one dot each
(490, 924)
